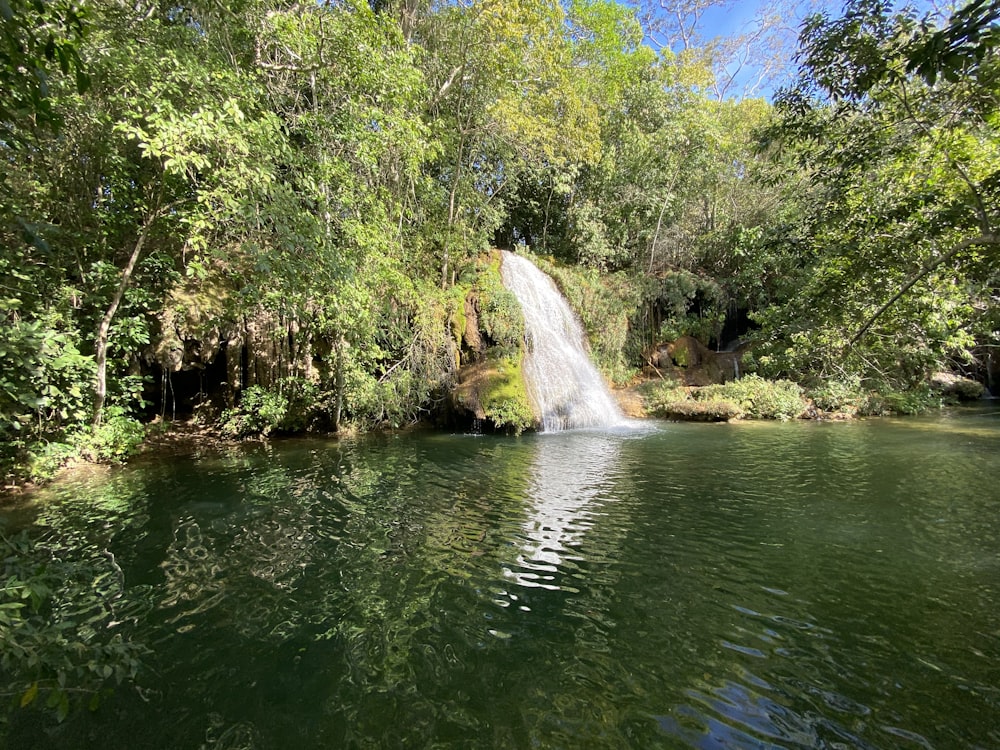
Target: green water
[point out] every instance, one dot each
(714, 586)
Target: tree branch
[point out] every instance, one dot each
(984, 218)
(983, 239)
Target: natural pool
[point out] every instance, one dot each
(716, 586)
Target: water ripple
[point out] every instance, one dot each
(715, 587)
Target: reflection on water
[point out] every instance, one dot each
(748, 586)
(567, 477)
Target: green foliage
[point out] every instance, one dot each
(504, 398)
(117, 438)
(292, 405)
(664, 399)
(845, 397)
(259, 412)
(42, 378)
(686, 304)
(42, 460)
(759, 398)
(385, 402)
(960, 47)
(913, 401)
(897, 267)
(849, 397)
(656, 394)
(500, 316)
(35, 38)
(750, 397)
(43, 390)
(394, 382)
(64, 642)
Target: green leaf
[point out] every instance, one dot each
(62, 710)
(29, 695)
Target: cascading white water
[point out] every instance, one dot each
(558, 373)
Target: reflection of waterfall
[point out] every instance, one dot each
(568, 476)
(563, 382)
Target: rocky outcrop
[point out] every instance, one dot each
(473, 346)
(691, 363)
(492, 392)
(700, 411)
(207, 354)
(950, 385)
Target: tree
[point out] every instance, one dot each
(606, 71)
(34, 36)
(754, 59)
(903, 259)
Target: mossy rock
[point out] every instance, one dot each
(699, 411)
(950, 385)
(493, 391)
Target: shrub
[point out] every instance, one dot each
(845, 397)
(911, 401)
(851, 398)
(115, 439)
(673, 401)
(750, 396)
(294, 404)
(258, 412)
(716, 410)
(657, 395)
(759, 398)
(44, 459)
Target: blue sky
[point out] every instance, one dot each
(739, 16)
(723, 22)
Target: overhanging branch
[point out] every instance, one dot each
(983, 239)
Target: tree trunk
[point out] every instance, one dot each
(656, 234)
(101, 348)
(452, 211)
(545, 226)
(338, 406)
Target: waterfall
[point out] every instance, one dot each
(561, 380)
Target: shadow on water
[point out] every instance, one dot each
(750, 585)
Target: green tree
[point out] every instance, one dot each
(901, 261)
(36, 36)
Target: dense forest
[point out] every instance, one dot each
(277, 216)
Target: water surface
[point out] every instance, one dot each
(753, 585)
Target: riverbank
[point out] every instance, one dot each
(81, 453)
(749, 398)
(161, 439)
(753, 397)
